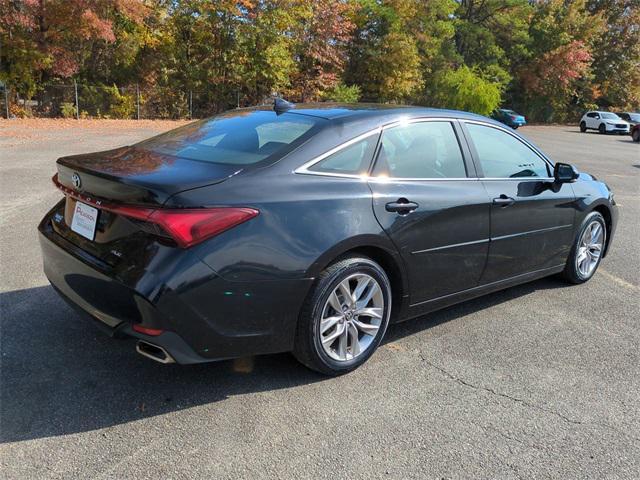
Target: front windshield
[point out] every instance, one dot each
(635, 117)
(236, 137)
(610, 116)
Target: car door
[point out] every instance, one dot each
(593, 120)
(427, 199)
(532, 217)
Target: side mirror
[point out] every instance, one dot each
(565, 173)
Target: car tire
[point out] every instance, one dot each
(314, 347)
(635, 135)
(602, 128)
(583, 127)
(515, 127)
(592, 232)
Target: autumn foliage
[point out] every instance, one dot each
(549, 59)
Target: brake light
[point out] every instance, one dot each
(188, 226)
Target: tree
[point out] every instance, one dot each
(556, 82)
(321, 47)
(384, 56)
(466, 89)
(616, 53)
(52, 39)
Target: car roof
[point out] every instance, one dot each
(355, 112)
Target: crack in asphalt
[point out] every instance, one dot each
(524, 402)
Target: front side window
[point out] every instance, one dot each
(503, 156)
(351, 160)
(235, 138)
(420, 150)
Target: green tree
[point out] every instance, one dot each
(616, 54)
(556, 81)
(466, 89)
(384, 56)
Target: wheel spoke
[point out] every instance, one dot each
(370, 312)
(342, 343)
(355, 341)
(334, 301)
(595, 232)
(582, 255)
(329, 322)
(345, 289)
(363, 282)
(368, 296)
(367, 328)
(329, 339)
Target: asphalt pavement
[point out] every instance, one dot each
(537, 381)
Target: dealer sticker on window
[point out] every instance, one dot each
(84, 220)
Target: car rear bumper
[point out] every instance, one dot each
(212, 319)
(113, 307)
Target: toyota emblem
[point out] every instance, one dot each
(75, 178)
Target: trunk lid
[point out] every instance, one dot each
(125, 176)
(137, 176)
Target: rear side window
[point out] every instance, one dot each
(236, 138)
(352, 160)
(592, 115)
(503, 156)
(420, 150)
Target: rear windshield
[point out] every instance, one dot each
(236, 138)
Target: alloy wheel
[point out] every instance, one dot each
(590, 248)
(351, 317)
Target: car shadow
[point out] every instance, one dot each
(60, 375)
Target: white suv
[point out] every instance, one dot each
(604, 122)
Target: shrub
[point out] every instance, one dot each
(343, 93)
(68, 110)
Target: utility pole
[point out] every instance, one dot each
(75, 86)
(190, 105)
(137, 101)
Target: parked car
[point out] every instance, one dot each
(635, 132)
(509, 117)
(311, 228)
(604, 122)
(633, 118)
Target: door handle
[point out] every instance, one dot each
(401, 206)
(503, 201)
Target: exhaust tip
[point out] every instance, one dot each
(154, 352)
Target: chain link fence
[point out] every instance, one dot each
(132, 102)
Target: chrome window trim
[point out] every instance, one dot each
(304, 168)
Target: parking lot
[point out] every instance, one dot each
(537, 381)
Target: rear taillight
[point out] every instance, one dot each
(189, 227)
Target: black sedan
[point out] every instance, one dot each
(311, 228)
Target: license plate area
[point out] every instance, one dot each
(84, 220)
